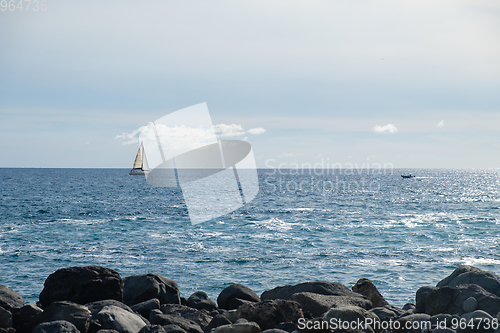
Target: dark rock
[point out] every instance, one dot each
(152, 329)
(288, 326)
(7, 330)
(268, 314)
(443, 319)
(95, 307)
(156, 317)
(470, 304)
(9, 298)
(384, 313)
(421, 296)
(443, 330)
(200, 300)
(366, 288)
(472, 275)
(144, 308)
(349, 314)
(76, 314)
(5, 318)
(172, 328)
(58, 326)
(236, 291)
(82, 285)
(409, 307)
(140, 288)
(116, 318)
(236, 302)
(450, 300)
(216, 321)
(317, 304)
(26, 318)
(239, 327)
(107, 331)
(322, 288)
(184, 301)
(199, 317)
(274, 330)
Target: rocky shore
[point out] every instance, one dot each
(96, 299)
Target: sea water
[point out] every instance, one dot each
(321, 225)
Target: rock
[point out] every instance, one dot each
(5, 318)
(349, 314)
(472, 275)
(26, 318)
(384, 314)
(82, 285)
(156, 317)
(469, 304)
(421, 296)
(216, 321)
(450, 300)
(366, 288)
(322, 288)
(9, 298)
(200, 300)
(140, 288)
(107, 331)
(317, 304)
(144, 308)
(477, 321)
(114, 317)
(409, 307)
(443, 330)
(58, 326)
(442, 319)
(240, 327)
(96, 307)
(268, 314)
(76, 314)
(199, 317)
(274, 330)
(316, 325)
(152, 329)
(173, 329)
(236, 291)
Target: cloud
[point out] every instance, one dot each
(441, 123)
(223, 130)
(130, 138)
(389, 128)
(256, 131)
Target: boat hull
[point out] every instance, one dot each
(138, 172)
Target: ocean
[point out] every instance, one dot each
(304, 225)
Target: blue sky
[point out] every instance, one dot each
(318, 76)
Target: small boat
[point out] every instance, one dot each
(140, 164)
(408, 176)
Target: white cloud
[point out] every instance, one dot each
(389, 128)
(441, 123)
(256, 131)
(130, 138)
(223, 130)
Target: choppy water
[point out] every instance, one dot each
(335, 226)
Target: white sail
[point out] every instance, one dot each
(145, 166)
(138, 158)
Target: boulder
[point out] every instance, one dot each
(451, 299)
(82, 285)
(144, 308)
(421, 296)
(116, 318)
(315, 325)
(216, 321)
(200, 300)
(366, 288)
(157, 317)
(472, 275)
(76, 314)
(5, 318)
(274, 330)
(152, 329)
(349, 314)
(322, 288)
(470, 304)
(107, 331)
(95, 307)
(236, 291)
(58, 326)
(26, 318)
(140, 288)
(238, 327)
(423, 320)
(9, 298)
(317, 304)
(172, 328)
(384, 314)
(268, 314)
(199, 317)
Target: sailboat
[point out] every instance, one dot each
(140, 164)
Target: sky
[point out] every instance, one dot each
(413, 83)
